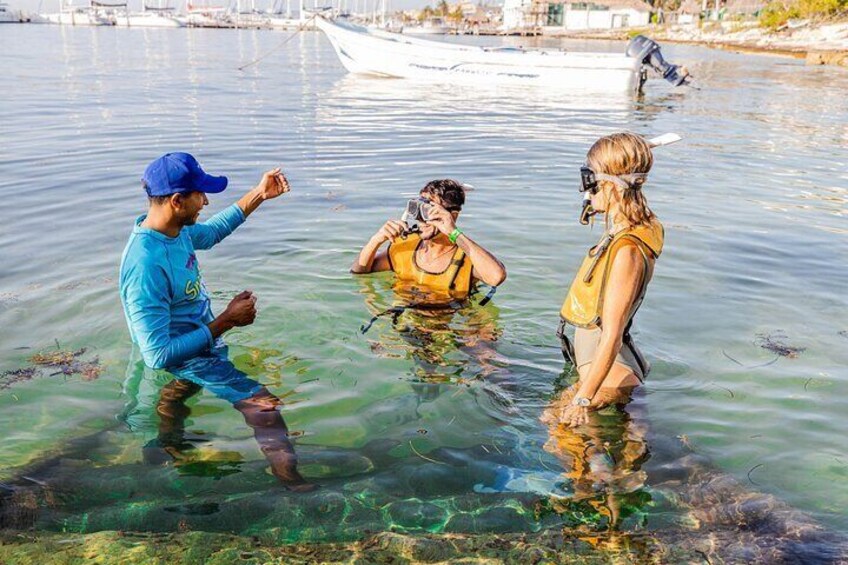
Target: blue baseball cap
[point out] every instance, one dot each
(179, 173)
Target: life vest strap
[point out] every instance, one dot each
(565, 344)
(627, 340)
(455, 266)
(396, 311)
(599, 253)
(486, 299)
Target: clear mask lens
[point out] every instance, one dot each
(417, 210)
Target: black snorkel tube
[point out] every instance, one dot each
(588, 187)
(648, 52)
(587, 211)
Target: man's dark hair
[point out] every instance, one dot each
(159, 200)
(449, 191)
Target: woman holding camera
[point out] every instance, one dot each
(611, 283)
(439, 258)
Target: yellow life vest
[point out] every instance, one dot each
(455, 280)
(584, 303)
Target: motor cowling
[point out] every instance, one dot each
(648, 52)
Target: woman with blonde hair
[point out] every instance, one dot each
(611, 282)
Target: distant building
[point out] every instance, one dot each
(745, 7)
(689, 12)
(597, 14)
(518, 14)
(469, 8)
(480, 20)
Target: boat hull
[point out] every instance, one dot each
(147, 20)
(425, 30)
(78, 18)
(284, 23)
(392, 55)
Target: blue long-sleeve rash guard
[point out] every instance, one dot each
(165, 301)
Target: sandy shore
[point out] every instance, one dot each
(818, 43)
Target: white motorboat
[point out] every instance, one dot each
(387, 54)
(78, 16)
(146, 19)
(431, 26)
(9, 16)
(150, 16)
(205, 16)
(280, 21)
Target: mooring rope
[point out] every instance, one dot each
(300, 28)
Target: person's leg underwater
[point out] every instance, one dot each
(271, 433)
(259, 408)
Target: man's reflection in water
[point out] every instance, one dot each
(603, 458)
(152, 391)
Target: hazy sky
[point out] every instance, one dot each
(53, 5)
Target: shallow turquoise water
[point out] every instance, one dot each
(431, 431)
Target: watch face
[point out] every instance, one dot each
(582, 402)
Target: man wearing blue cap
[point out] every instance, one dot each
(168, 309)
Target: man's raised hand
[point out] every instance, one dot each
(273, 184)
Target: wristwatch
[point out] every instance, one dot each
(581, 401)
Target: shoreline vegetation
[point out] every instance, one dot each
(820, 42)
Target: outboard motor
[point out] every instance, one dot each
(648, 52)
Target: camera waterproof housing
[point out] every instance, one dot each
(417, 210)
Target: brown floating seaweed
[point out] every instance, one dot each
(58, 358)
(65, 362)
(9, 378)
(91, 371)
(776, 343)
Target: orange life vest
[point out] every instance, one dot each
(455, 280)
(584, 303)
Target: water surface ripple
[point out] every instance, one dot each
(754, 202)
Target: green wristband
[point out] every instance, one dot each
(454, 235)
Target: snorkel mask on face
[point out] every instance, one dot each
(589, 178)
(589, 186)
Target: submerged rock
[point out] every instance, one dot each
(416, 515)
(197, 509)
(684, 511)
(220, 549)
